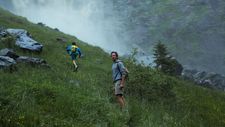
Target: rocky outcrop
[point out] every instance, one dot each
(8, 58)
(210, 80)
(6, 61)
(32, 61)
(24, 40)
(8, 52)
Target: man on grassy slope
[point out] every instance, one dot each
(74, 51)
(119, 73)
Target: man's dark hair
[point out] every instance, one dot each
(115, 53)
(74, 43)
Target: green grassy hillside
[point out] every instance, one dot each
(58, 97)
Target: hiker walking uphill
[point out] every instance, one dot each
(74, 51)
(119, 73)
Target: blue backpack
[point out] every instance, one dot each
(68, 49)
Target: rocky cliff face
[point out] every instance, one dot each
(210, 80)
(193, 30)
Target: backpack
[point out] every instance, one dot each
(71, 49)
(68, 49)
(126, 70)
(74, 49)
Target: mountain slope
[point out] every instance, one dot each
(193, 30)
(56, 96)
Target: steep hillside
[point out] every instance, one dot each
(59, 97)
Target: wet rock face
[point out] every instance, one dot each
(24, 40)
(6, 61)
(211, 80)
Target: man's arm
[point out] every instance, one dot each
(122, 69)
(122, 82)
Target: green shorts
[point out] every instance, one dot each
(118, 90)
(74, 56)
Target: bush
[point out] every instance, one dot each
(148, 84)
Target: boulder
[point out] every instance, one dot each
(24, 40)
(8, 52)
(32, 61)
(6, 61)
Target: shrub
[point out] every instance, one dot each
(148, 84)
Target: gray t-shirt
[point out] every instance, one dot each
(118, 70)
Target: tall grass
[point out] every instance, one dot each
(57, 96)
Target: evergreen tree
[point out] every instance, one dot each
(164, 62)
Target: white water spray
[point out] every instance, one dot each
(92, 21)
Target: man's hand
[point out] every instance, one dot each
(121, 86)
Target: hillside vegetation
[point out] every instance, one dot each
(34, 96)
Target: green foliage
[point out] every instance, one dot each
(164, 61)
(145, 83)
(161, 55)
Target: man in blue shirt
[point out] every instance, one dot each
(118, 74)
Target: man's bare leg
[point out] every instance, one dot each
(121, 101)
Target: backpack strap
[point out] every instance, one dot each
(75, 48)
(118, 70)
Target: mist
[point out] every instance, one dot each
(92, 21)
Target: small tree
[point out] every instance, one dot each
(164, 62)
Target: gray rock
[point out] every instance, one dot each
(61, 39)
(32, 61)
(24, 40)
(3, 33)
(211, 80)
(6, 61)
(8, 52)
